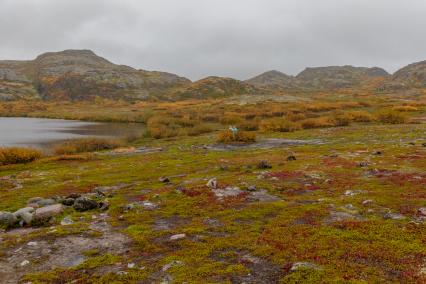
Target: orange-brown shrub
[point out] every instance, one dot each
(241, 137)
(318, 122)
(85, 145)
(391, 117)
(405, 108)
(360, 116)
(15, 155)
(279, 125)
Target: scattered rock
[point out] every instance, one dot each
(48, 212)
(164, 179)
(304, 265)
(83, 204)
(46, 202)
(67, 221)
(338, 216)
(262, 196)
(24, 215)
(363, 164)
(103, 205)
(264, 165)
(212, 183)
(227, 192)
(131, 265)
(352, 192)
(25, 262)
(177, 237)
(148, 205)
(377, 153)
(171, 264)
(32, 244)
(421, 211)
(7, 219)
(68, 201)
(394, 216)
(73, 196)
(251, 188)
(291, 158)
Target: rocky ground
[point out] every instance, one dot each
(330, 205)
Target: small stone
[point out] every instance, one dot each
(74, 196)
(251, 188)
(68, 201)
(350, 193)
(304, 265)
(291, 158)
(34, 200)
(67, 221)
(122, 273)
(177, 237)
(394, 216)
(32, 244)
(104, 205)
(83, 204)
(367, 202)
(421, 211)
(46, 202)
(131, 265)
(264, 165)
(164, 179)
(171, 264)
(25, 262)
(377, 153)
(363, 164)
(212, 183)
(148, 205)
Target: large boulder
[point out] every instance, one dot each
(83, 204)
(48, 212)
(7, 219)
(24, 215)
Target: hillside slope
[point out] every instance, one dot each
(81, 74)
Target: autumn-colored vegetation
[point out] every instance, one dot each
(75, 146)
(228, 137)
(15, 155)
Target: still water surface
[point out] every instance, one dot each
(40, 132)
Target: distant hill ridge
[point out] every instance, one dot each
(83, 75)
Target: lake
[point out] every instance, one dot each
(41, 132)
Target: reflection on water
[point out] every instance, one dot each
(39, 132)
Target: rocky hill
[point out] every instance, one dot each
(81, 74)
(273, 80)
(319, 78)
(216, 87)
(337, 77)
(411, 76)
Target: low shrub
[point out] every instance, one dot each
(340, 119)
(15, 155)
(318, 122)
(360, 116)
(279, 125)
(405, 108)
(391, 117)
(240, 137)
(199, 129)
(85, 145)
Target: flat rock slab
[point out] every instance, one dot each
(263, 144)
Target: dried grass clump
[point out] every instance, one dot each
(15, 155)
(86, 145)
(228, 137)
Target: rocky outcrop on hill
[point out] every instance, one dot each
(273, 79)
(81, 74)
(408, 77)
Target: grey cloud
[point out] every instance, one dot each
(238, 38)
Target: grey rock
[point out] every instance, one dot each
(46, 202)
(25, 215)
(394, 216)
(68, 201)
(304, 265)
(73, 196)
(67, 221)
(227, 192)
(83, 204)
(421, 211)
(48, 212)
(251, 188)
(164, 179)
(171, 264)
(212, 183)
(177, 237)
(104, 205)
(7, 219)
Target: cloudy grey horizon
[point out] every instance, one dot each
(237, 38)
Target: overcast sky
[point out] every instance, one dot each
(235, 38)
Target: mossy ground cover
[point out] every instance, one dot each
(330, 212)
